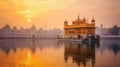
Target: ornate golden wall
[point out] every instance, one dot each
(79, 27)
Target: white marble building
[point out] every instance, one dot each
(7, 32)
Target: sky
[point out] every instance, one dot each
(51, 14)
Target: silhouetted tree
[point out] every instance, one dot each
(115, 30)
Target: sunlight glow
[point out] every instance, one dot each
(33, 8)
(28, 20)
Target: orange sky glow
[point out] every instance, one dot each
(52, 13)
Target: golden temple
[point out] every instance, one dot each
(79, 27)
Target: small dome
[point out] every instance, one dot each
(65, 21)
(93, 20)
(78, 19)
(84, 19)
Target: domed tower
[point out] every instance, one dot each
(93, 26)
(78, 16)
(93, 21)
(65, 23)
(84, 20)
(77, 21)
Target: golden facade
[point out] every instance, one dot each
(79, 27)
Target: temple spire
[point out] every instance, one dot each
(78, 16)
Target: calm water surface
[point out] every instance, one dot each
(52, 53)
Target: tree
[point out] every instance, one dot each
(115, 30)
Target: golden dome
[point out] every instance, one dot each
(93, 20)
(65, 21)
(84, 19)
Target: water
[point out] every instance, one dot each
(52, 53)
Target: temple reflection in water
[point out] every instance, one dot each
(80, 53)
(51, 53)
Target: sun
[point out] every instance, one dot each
(30, 9)
(29, 20)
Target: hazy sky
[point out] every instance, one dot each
(52, 13)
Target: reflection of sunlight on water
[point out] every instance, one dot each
(29, 61)
(50, 54)
(25, 57)
(28, 54)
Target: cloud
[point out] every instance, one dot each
(105, 11)
(32, 8)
